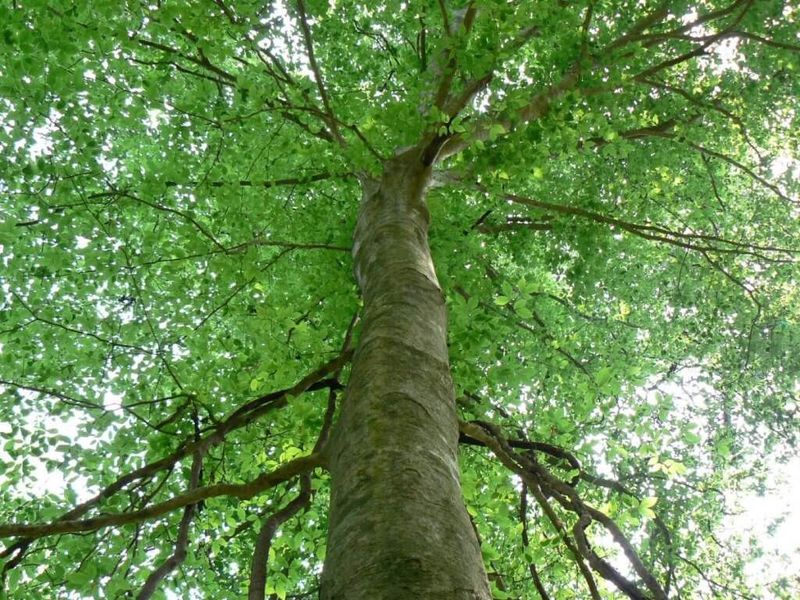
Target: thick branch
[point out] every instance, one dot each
(536, 476)
(268, 183)
(551, 515)
(705, 42)
(258, 565)
(537, 107)
(640, 26)
(201, 61)
(332, 121)
(449, 58)
(179, 555)
(242, 491)
(242, 416)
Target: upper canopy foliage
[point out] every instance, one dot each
(614, 222)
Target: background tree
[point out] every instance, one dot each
(612, 193)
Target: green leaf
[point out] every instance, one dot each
(495, 130)
(523, 311)
(691, 437)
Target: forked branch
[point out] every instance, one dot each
(259, 564)
(312, 59)
(545, 485)
(181, 543)
(245, 414)
(699, 242)
(242, 491)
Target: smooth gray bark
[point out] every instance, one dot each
(398, 528)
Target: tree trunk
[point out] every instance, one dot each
(398, 528)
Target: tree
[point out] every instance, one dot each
(612, 194)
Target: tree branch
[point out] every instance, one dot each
(537, 107)
(242, 491)
(244, 415)
(80, 332)
(179, 555)
(56, 394)
(691, 241)
(523, 518)
(332, 121)
(551, 515)
(201, 62)
(523, 325)
(449, 58)
(744, 168)
(258, 564)
(535, 476)
(640, 26)
(269, 183)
